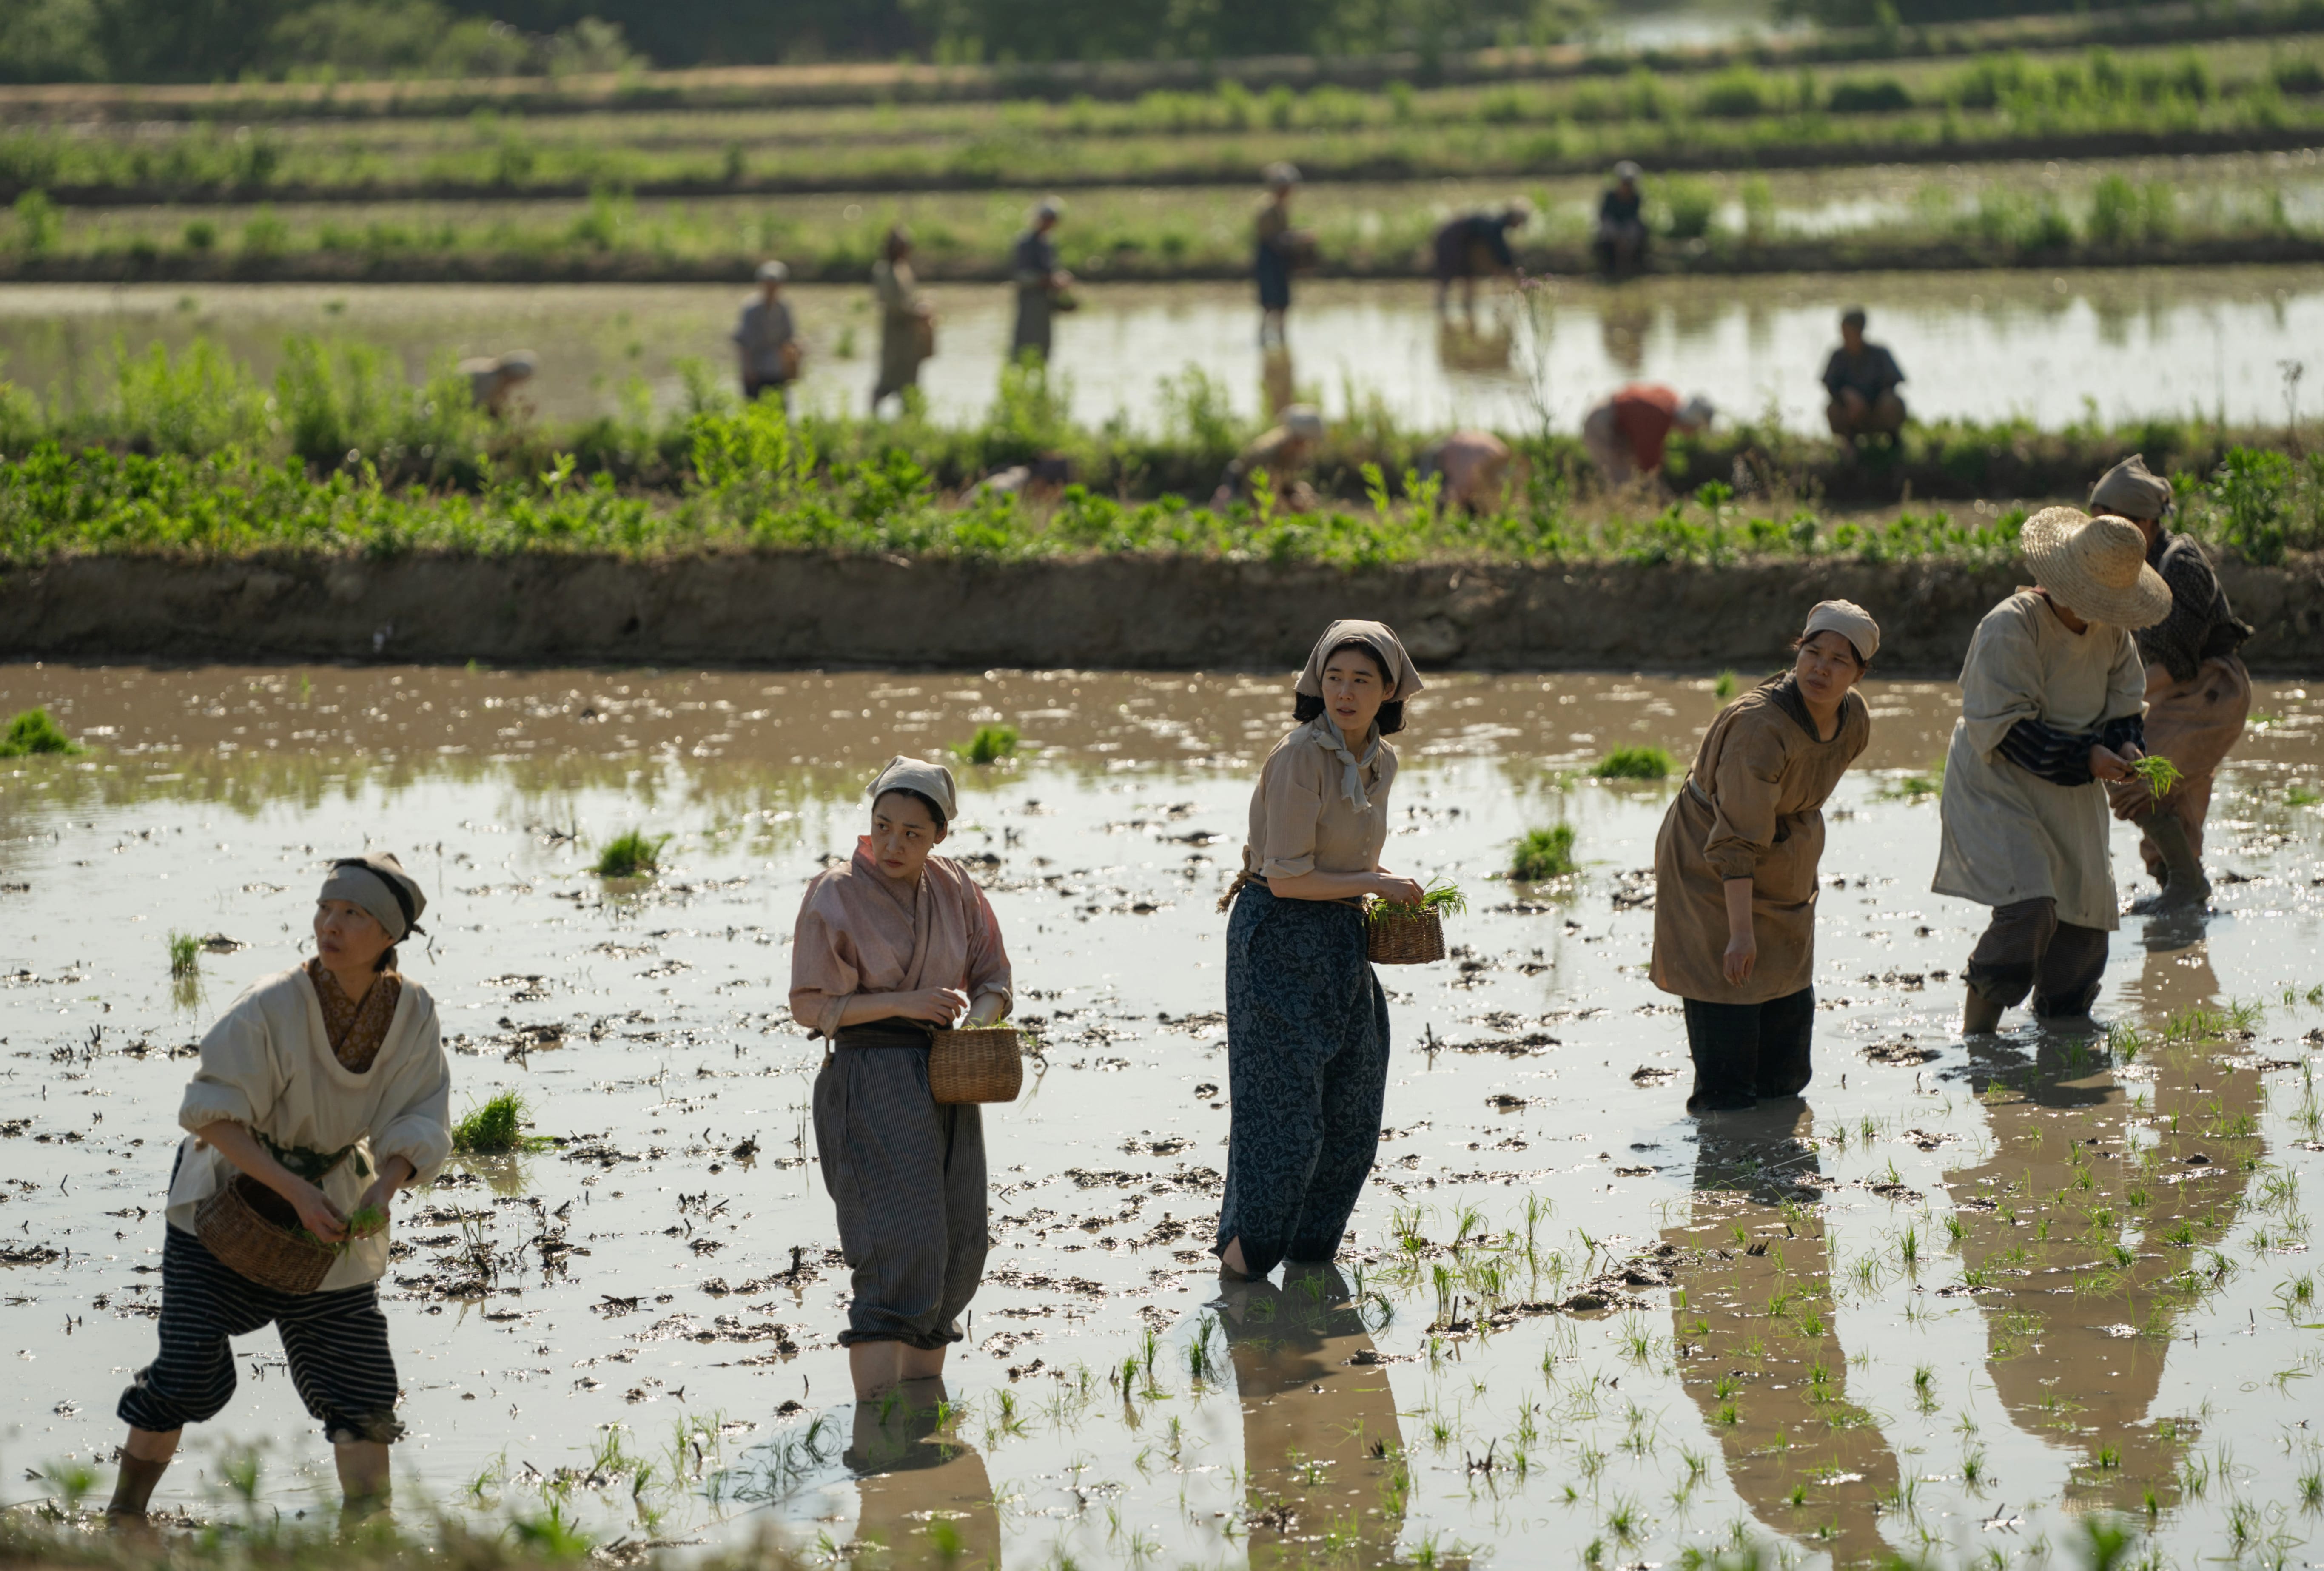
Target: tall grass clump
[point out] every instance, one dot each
(1647, 763)
(631, 855)
(35, 730)
(496, 1127)
(185, 954)
(1544, 853)
(990, 745)
(1724, 687)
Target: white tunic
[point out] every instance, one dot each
(268, 1063)
(2010, 835)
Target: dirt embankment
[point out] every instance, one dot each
(1121, 612)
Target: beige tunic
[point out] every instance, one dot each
(859, 932)
(1300, 819)
(268, 1064)
(902, 326)
(1752, 807)
(2010, 835)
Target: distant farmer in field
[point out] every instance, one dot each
(908, 328)
(1474, 466)
(1862, 378)
(1626, 434)
(2198, 693)
(1284, 450)
(1278, 250)
(494, 379)
(1041, 282)
(1621, 238)
(1476, 245)
(766, 345)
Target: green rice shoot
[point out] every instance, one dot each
(1929, 782)
(185, 954)
(1544, 853)
(632, 855)
(496, 1127)
(1724, 687)
(991, 743)
(1441, 896)
(35, 730)
(1646, 762)
(2161, 774)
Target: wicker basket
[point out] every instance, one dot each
(257, 1234)
(982, 1064)
(1404, 940)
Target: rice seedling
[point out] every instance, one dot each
(496, 1127)
(631, 855)
(1725, 685)
(35, 732)
(185, 954)
(1543, 854)
(991, 743)
(2159, 775)
(1634, 763)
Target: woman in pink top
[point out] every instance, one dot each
(896, 941)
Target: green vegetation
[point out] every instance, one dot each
(1543, 854)
(1641, 763)
(35, 732)
(631, 855)
(185, 954)
(2160, 774)
(1441, 896)
(990, 745)
(496, 1127)
(1913, 786)
(1726, 686)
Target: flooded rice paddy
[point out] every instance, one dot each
(1955, 1301)
(2122, 345)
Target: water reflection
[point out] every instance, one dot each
(926, 1500)
(2084, 1234)
(1759, 1342)
(1324, 1474)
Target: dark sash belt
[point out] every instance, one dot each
(891, 1032)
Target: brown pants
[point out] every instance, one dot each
(2193, 724)
(2027, 949)
(1883, 416)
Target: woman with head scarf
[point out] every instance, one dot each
(1275, 251)
(907, 324)
(2053, 695)
(1306, 1022)
(323, 1091)
(896, 941)
(1737, 864)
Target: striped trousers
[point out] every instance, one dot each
(336, 1342)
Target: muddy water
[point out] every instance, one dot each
(2125, 345)
(1956, 1298)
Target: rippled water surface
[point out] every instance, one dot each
(1956, 1299)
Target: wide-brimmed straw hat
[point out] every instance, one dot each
(2097, 567)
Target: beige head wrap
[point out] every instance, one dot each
(2096, 567)
(1850, 621)
(933, 781)
(374, 881)
(2131, 491)
(1403, 681)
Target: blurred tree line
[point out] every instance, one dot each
(205, 41)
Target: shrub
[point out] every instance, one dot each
(632, 855)
(1724, 688)
(991, 744)
(39, 225)
(2250, 490)
(1544, 853)
(1647, 763)
(35, 732)
(1692, 205)
(1878, 95)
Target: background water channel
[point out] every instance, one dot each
(2121, 345)
(1959, 1297)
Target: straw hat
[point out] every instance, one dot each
(2097, 567)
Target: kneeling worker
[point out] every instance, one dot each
(1862, 378)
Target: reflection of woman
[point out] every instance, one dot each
(1736, 863)
(1306, 1022)
(893, 942)
(2052, 693)
(315, 1082)
(925, 1496)
(906, 325)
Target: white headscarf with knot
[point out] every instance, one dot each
(933, 781)
(1380, 642)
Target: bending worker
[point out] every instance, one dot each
(1626, 434)
(1476, 245)
(1862, 378)
(2198, 693)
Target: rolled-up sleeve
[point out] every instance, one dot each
(988, 970)
(239, 1077)
(2001, 683)
(1292, 802)
(1749, 780)
(418, 1126)
(824, 974)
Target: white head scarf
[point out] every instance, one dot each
(377, 882)
(933, 781)
(1403, 680)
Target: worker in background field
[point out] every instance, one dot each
(1284, 450)
(1277, 250)
(908, 327)
(1042, 282)
(1476, 245)
(494, 379)
(1626, 433)
(1474, 468)
(2198, 692)
(766, 345)
(1862, 378)
(1621, 240)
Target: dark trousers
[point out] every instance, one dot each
(336, 1343)
(1744, 1052)
(1308, 1065)
(2027, 949)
